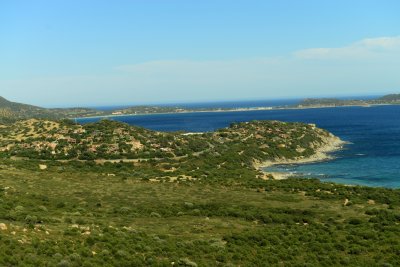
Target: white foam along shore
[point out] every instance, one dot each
(322, 153)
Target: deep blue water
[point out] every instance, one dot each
(372, 158)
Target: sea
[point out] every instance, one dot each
(371, 157)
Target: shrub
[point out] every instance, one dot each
(355, 221)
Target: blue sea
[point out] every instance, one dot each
(371, 158)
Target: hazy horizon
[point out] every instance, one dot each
(209, 102)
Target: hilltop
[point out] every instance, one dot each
(390, 98)
(241, 143)
(12, 111)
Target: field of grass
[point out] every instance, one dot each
(63, 216)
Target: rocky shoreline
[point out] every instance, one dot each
(329, 145)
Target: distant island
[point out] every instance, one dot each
(11, 111)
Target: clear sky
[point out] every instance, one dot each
(94, 52)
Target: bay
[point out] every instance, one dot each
(372, 158)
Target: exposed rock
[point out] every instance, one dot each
(300, 149)
(42, 167)
(3, 227)
(187, 262)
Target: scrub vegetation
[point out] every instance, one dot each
(108, 194)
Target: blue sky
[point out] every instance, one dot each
(67, 53)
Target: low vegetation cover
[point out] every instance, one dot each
(127, 196)
(215, 156)
(12, 111)
(57, 140)
(80, 216)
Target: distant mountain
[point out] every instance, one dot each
(328, 102)
(335, 102)
(4, 103)
(390, 98)
(10, 111)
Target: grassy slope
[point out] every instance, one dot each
(91, 219)
(11, 111)
(131, 214)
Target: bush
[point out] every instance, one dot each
(355, 221)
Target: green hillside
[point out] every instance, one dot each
(12, 111)
(110, 194)
(75, 214)
(216, 154)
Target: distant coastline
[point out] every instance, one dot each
(180, 112)
(235, 110)
(11, 111)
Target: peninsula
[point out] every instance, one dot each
(240, 146)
